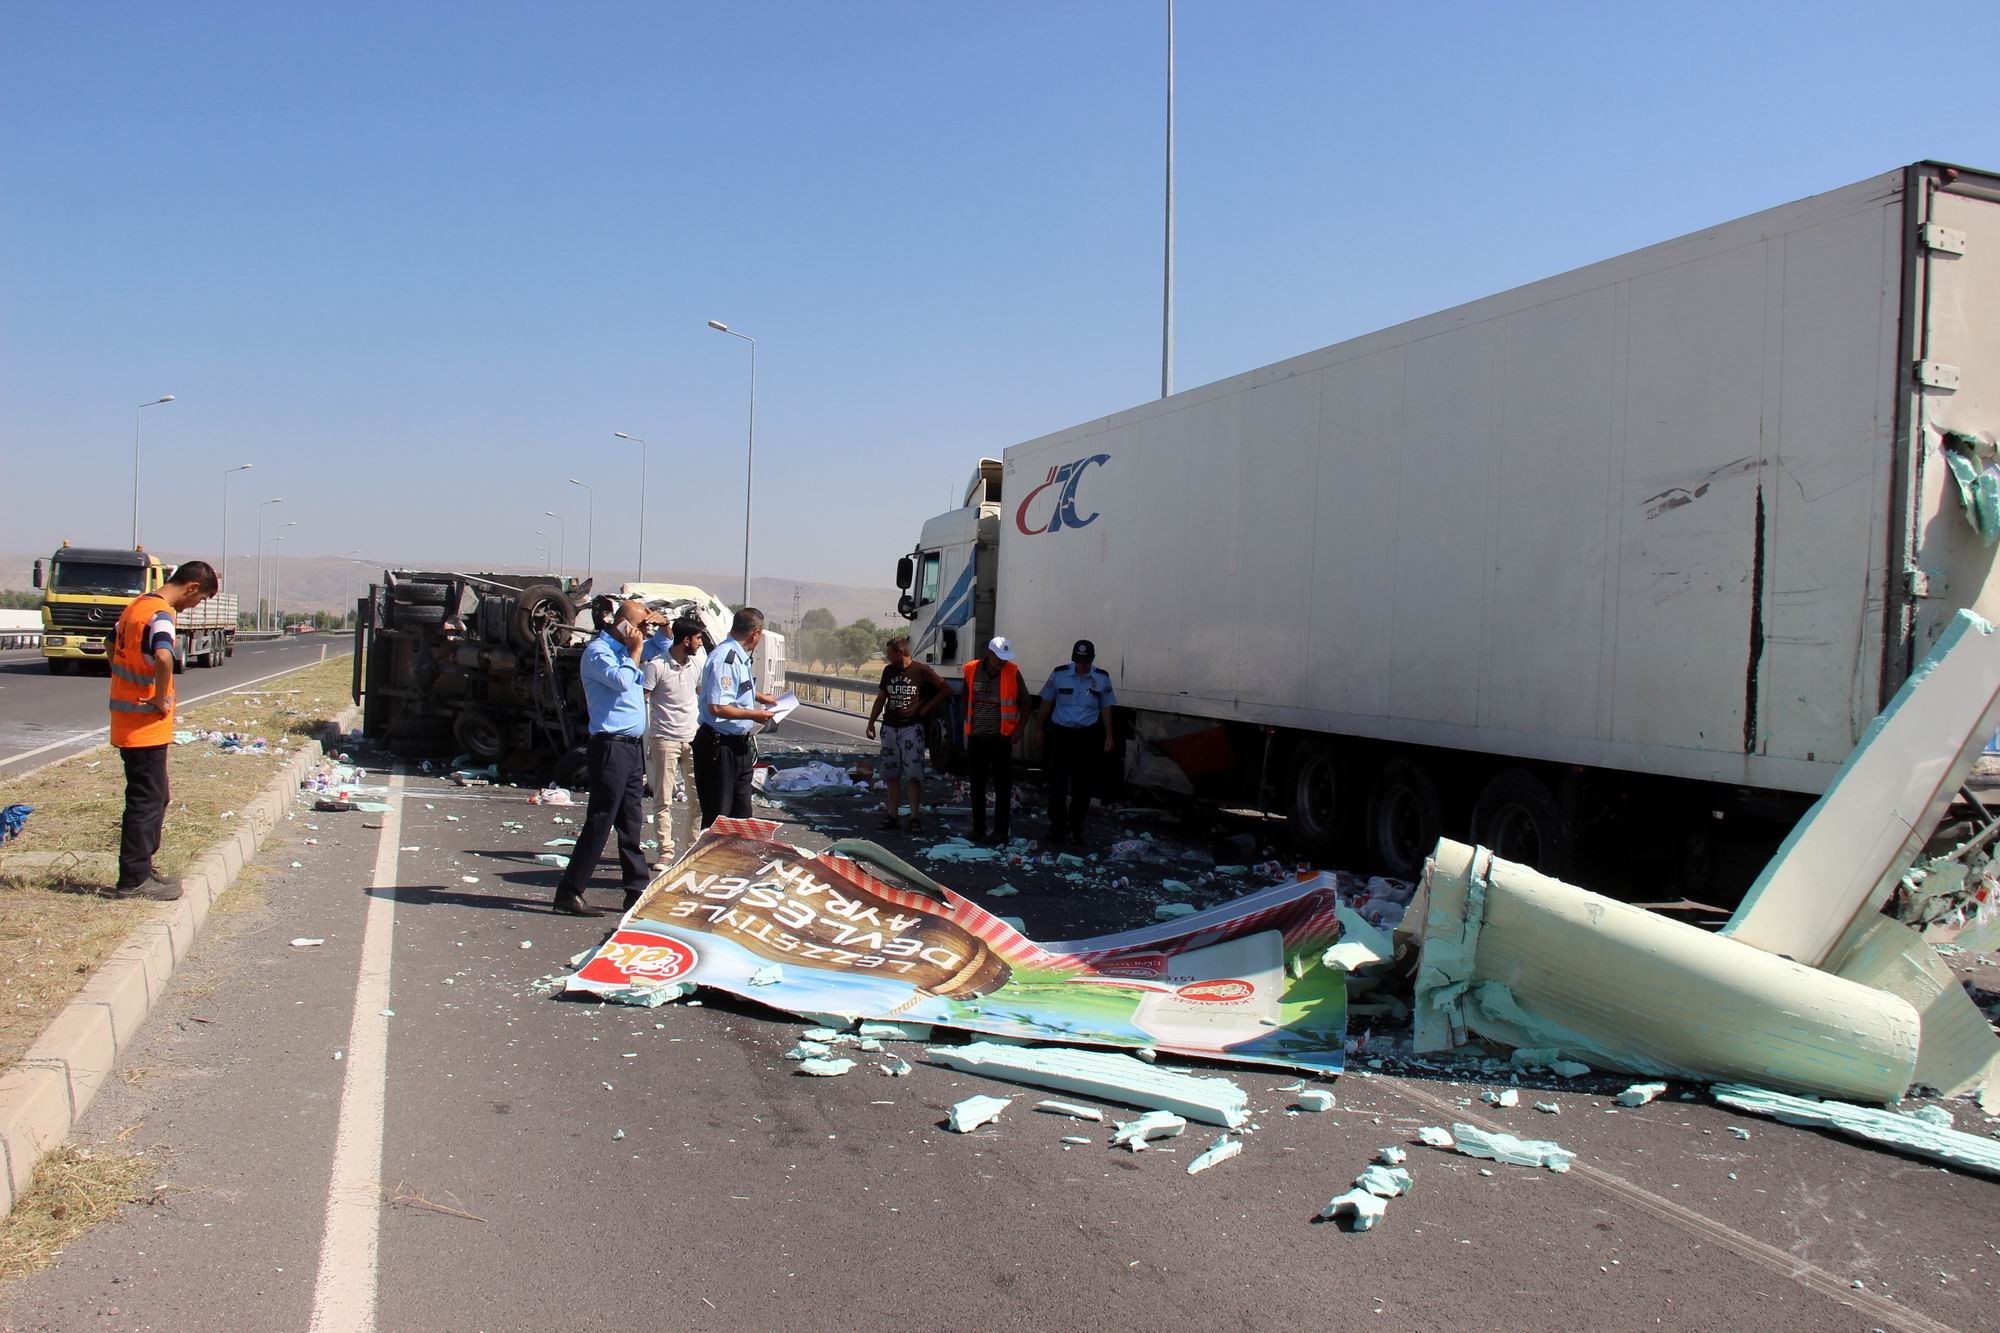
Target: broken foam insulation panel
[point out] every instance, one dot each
(1105, 1076)
(1918, 1135)
(1518, 958)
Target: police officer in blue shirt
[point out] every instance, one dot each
(1076, 736)
(730, 711)
(614, 692)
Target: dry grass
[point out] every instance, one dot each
(54, 930)
(74, 1189)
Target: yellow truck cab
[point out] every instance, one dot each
(86, 588)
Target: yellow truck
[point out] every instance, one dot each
(86, 588)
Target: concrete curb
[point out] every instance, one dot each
(43, 1096)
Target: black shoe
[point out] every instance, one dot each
(152, 888)
(571, 904)
(1056, 838)
(632, 896)
(979, 836)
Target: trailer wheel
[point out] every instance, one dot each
(421, 594)
(539, 608)
(480, 735)
(416, 617)
(1518, 819)
(1405, 818)
(1318, 799)
(573, 769)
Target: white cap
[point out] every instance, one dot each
(1000, 648)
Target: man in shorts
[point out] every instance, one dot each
(910, 692)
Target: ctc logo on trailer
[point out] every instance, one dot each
(1059, 511)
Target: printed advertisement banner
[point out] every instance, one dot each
(748, 913)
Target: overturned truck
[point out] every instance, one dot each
(484, 665)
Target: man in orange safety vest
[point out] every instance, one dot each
(992, 729)
(142, 721)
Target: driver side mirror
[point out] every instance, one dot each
(906, 570)
(38, 573)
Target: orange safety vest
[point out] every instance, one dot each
(1010, 696)
(134, 723)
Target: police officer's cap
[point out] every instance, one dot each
(1085, 651)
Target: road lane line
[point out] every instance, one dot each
(1882, 1311)
(344, 1295)
(180, 704)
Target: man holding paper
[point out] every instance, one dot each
(730, 711)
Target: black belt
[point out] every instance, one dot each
(617, 736)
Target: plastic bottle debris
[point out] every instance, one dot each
(822, 1067)
(1136, 1134)
(1315, 1099)
(1504, 1097)
(1433, 1137)
(1513, 1151)
(1070, 1109)
(977, 1110)
(1392, 1156)
(1640, 1093)
(1219, 1151)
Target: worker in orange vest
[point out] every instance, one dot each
(992, 729)
(142, 720)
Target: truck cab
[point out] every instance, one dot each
(948, 581)
(84, 591)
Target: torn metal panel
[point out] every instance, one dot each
(1526, 960)
(748, 913)
(1918, 1136)
(1957, 1051)
(1104, 1075)
(1846, 855)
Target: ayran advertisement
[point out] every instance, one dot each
(747, 913)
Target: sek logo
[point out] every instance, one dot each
(1220, 991)
(1059, 510)
(638, 956)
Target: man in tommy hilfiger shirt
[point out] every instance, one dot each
(142, 721)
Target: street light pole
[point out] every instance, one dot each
(543, 549)
(1167, 297)
(137, 417)
(353, 586)
(275, 500)
(562, 536)
(641, 576)
(277, 574)
(243, 467)
(750, 457)
(589, 529)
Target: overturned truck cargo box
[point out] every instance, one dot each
(1519, 958)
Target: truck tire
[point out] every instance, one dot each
(1518, 819)
(180, 662)
(1405, 817)
(421, 594)
(416, 617)
(1320, 803)
(58, 666)
(538, 608)
(479, 735)
(573, 770)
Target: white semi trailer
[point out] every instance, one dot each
(1663, 531)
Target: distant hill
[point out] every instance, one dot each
(323, 583)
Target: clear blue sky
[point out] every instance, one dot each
(417, 262)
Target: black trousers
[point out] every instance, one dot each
(617, 800)
(145, 813)
(722, 769)
(1071, 758)
(991, 760)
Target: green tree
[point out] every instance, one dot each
(818, 618)
(28, 599)
(855, 644)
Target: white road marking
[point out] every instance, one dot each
(96, 732)
(344, 1295)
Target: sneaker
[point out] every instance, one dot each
(152, 888)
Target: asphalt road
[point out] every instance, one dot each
(743, 1195)
(44, 717)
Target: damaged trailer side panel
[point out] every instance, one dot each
(1648, 515)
